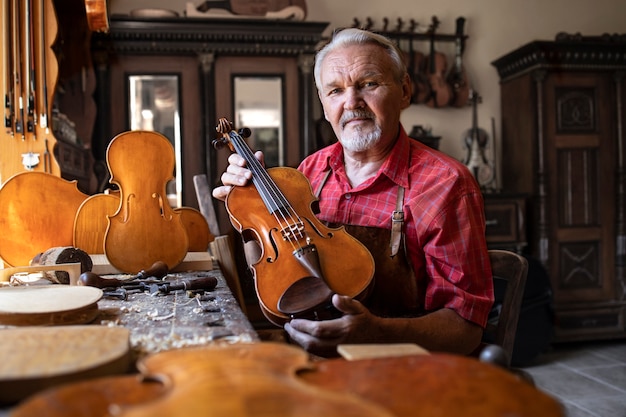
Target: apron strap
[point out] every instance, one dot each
(397, 223)
(318, 191)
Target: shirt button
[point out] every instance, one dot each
(348, 196)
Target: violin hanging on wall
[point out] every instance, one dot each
(97, 17)
(417, 59)
(440, 91)
(303, 262)
(475, 140)
(431, 86)
(457, 77)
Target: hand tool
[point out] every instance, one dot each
(157, 270)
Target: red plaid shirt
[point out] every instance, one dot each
(443, 213)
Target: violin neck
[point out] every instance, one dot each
(271, 195)
(460, 28)
(474, 111)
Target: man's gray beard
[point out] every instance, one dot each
(357, 142)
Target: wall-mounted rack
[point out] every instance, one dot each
(433, 84)
(408, 30)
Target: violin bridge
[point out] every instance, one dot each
(293, 232)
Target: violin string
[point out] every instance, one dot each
(262, 178)
(267, 188)
(270, 190)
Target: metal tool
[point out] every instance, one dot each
(152, 286)
(204, 283)
(157, 270)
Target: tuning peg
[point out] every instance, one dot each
(245, 132)
(218, 143)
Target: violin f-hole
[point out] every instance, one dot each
(159, 198)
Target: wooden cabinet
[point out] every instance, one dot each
(205, 57)
(505, 221)
(563, 140)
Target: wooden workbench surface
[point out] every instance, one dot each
(154, 323)
(166, 321)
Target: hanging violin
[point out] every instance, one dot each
(476, 139)
(440, 91)
(303, 262)
(457, 77)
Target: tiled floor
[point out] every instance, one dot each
(588, 378)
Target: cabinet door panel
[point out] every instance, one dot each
(580, 157)
(226, 70)
(186, 70)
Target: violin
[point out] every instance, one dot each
(476, 139)
(440, 91)
(97, 17)
(303, 262)
(457, 77)
(145, 229)
(416, 68)
(421, 90)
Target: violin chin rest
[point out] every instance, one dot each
(305, 298)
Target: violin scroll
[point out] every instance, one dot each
(224, 127)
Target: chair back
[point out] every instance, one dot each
(512, 268)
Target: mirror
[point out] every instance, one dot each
(154, 104)
(259, 107)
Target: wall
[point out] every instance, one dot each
(495, 27)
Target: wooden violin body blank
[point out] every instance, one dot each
(36, 213)
(91, 223)
(278, 380)
(145, 229)
(303, 262)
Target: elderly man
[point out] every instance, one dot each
(433, 287)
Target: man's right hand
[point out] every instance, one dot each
(236, 174)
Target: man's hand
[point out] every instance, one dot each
(236, 174)
(322, 337)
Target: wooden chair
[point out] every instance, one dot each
(512, 268)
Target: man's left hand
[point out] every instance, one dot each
(322, 337)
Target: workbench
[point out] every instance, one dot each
(157, 321)
(160, 322)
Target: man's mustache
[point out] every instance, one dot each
(356, 114)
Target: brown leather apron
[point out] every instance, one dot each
(395, 292)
